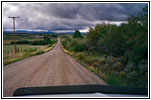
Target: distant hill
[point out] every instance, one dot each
(36, 32)
(30, 32)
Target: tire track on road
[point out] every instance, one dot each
(53, 68)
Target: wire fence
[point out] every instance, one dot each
(12, 51)
(9, 54)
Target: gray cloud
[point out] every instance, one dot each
(66, 16)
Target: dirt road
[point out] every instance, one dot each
(49, 69)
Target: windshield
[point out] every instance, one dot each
(72, 44)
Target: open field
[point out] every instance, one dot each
(8, 38)
(23, 50)
(22, 47)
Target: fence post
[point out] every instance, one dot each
(11, 51)
(7, 51)
(18, 50)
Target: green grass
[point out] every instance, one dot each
(26, 51)
(116, 80)
(23, 47)
(112, 79)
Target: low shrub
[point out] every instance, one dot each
(49, 45)
(121, 74)
(132, 75)
(96, 64)
(123, 60)
(93, 69)
(54, 35)
(101, 60)
(129, 67)
(79, 47)
(117, 66)
(80, 56)
(101, 74)
(22, 42)
(39, 52)
(109, 60)
(112, 79)
(52, 42)
(38, 42)
(76, 45)
(90, 60)
(45, 41)
(143, 66)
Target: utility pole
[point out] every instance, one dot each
(14, 32)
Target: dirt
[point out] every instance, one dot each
(54, 68)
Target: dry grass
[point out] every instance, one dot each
(28, 50)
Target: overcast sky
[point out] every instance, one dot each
(66, 16)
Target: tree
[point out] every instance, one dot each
(47, 39)
(114, 41)
(77, 34)
(95, 37)
(92, 38)
(139, 42)
(129, 39)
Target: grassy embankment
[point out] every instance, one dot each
(108, 68)
(25, 50)
(118, 54)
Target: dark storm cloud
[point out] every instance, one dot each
(64, 10)
(69, 16)
(112, 12)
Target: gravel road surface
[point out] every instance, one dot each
(53, 68)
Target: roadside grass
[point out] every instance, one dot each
(89, 60)
(27, 51)
(122, 81)
(112, 79)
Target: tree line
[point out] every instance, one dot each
(130, 39)
(118, 54)
(46, 40)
